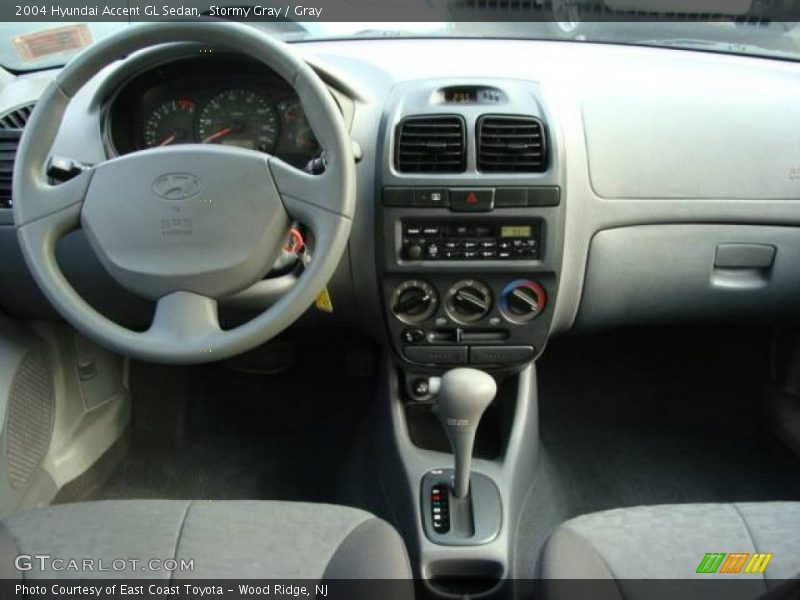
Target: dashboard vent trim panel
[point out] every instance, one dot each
(16, 118)
(511, 144)
(9, 141)
(431, 144)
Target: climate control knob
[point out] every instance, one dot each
(414, 301)
(468, 301)
(522, 300)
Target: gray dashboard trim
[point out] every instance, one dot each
(696, 143)
(567, 73)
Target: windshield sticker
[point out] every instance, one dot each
(44, 44)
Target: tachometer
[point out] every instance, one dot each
(170, 123)
(239, 118)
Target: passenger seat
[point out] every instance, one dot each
(630, 547)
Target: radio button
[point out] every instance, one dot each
(414, 252)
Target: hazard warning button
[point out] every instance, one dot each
(472, 200)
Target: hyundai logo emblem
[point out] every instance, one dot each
(176, 186)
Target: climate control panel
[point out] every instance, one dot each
(491, 319)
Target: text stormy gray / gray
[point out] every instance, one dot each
(175, 10)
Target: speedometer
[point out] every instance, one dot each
(241, 118)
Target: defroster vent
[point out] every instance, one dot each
(431, 144)
(510, 144)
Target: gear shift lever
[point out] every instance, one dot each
(463, 397)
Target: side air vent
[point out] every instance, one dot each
(9, 140)
(508, 144)
(17, 118)
(11, 125)
(431, 145)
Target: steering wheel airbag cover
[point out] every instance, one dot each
(160, 224)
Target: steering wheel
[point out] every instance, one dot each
(185, 225)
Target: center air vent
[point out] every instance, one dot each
(509, 144)
(431, 145)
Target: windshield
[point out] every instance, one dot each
(31, 46)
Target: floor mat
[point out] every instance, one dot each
(650, 417)
(212, 433)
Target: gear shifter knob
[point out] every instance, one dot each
(463, 397)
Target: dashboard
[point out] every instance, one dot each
(223, 100)
(668, 191)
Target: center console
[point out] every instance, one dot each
(470, 224)
(469, 234)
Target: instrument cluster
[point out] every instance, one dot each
(211, 101)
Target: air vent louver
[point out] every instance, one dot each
(17, 118)
(511, 145)
(434, 144)
(9, 140)
(11, 125)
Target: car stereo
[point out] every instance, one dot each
(451, 239)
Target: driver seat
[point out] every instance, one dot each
(224, 539)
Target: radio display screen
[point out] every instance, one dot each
(516, 231)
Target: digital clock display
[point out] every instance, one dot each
(460, 95)
(516, 231)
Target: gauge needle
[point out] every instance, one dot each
(219, 134)
(169, 140)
